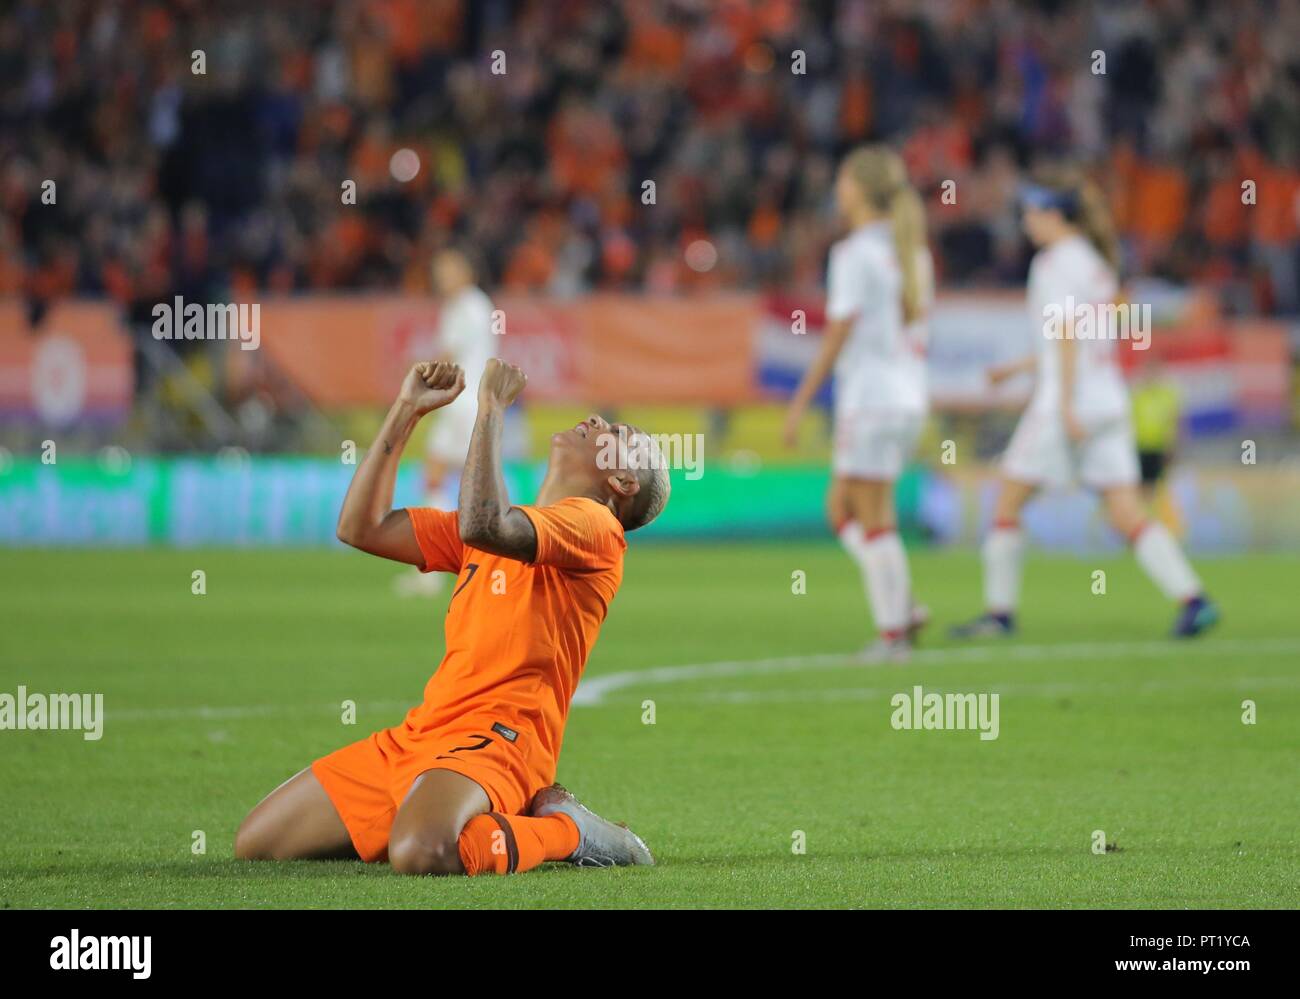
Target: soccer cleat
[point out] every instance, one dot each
(1198, 614)
(987, 625)
(601, 843)
(886, 650)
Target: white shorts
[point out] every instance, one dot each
(1041, 453)
(874, 444)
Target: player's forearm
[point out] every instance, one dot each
(815, 377)
(485, 516)
(1068, 357)
(370, 496)
(483, 497)
(811, 383)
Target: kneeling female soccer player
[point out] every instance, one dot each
(465, 784)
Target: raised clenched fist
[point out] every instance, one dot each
(501, 383)
(430, 385)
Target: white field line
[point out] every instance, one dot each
(594, 690)
(831, 695)
(237, 711)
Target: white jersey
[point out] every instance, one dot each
(881, 366)
(1063, 277)
(464, 335)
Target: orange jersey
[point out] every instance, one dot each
(518, 635)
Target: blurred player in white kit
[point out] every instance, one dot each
(464, 338)
(1078, 426)
(880, 285)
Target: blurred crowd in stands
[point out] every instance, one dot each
(538, 123)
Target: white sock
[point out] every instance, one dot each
(855, 543)
(883, 563)
(1003, 554)
(886, 550)
(1163, 561)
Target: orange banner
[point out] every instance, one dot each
(599, 350)
(77, 366)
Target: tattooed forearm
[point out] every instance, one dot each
(487, 520)
(370, 496)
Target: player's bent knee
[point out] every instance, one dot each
(259, 838)
(425, 854)
(251, 843)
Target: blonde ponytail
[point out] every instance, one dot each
(882, 178)
(908, 217)
(1096, 223)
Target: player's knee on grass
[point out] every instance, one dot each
(422, 853)
(425, 835)
(295, 821)
(261, 837)
(253, 840)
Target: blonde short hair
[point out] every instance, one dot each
(656, 486)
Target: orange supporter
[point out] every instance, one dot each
(55, 279)
(443, 212)
(12, 274)
(616, 209)
(742, 23)
(529, 268)
(332, 124)
(765, 225)
(1123, 173)
(446, 22)
(298, 69)
(856, 108)
(618, 255)
(937, 152)
(776, 17)
(352, 234)
(1223, 217)
(414, 279)
(64, 45)
(337, 252)
(117, 282)
(654, 45)
(1159, 203)
(156, 24)
(586, 154)
(243, 283)
(281, 279)
(372, 71)
(370, 162)
(1273, 221)
(406, 29)
(969, 106)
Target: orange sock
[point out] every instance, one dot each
(510, 844)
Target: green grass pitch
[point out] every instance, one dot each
(1104, 725)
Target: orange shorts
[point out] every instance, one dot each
(368, 780)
